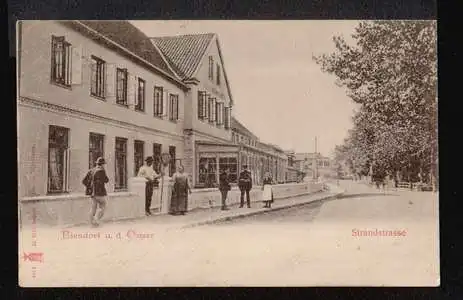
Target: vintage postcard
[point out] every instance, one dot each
(227, 153)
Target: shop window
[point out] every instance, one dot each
(207, 171)
(231, 164)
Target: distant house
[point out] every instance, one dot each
(315, 164)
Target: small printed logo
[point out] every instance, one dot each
(33, 256)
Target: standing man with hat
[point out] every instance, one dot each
(245, 185)
(94, 182)
(147, 171)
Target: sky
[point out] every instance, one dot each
(279, 92)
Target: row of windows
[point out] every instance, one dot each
(61, 74)
(237, 138)
(213, 111)
(59, 154)
(211, 71)
(210, 167)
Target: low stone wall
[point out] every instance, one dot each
(73, 209)
(205, 198)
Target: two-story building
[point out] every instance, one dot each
(197, 60)
(103, 88)
(89, 89)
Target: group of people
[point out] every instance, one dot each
(96, 178)
(180, 189)
(245, 186)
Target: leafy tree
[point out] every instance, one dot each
(391, 71)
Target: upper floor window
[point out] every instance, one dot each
(97, 85)
(140, 103)
(121, 86)
(218, 75)
(60, 61)
(212, 110)
(173, 107)
(211, 67)
(227, 117)
(219, 112)
(158, 101)
(202, 111)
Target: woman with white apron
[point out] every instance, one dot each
(267, 194)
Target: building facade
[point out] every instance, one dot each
(103, 88)
(315, 165)
(197, 60)
(260, 157)
(86, 90)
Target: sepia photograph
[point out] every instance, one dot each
(163, 153)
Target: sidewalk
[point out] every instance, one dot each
(198, 217)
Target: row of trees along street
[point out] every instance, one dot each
(391, 72)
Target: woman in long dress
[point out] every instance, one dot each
(180, 191)
(267, 194)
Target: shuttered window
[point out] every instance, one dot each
(140, 103)
(97, 77)
(227, 117)
(173, 107)
(60, 61)
(121, 86)
(158, 101)
(202, 110)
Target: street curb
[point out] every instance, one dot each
(257, 201)
(243, 215)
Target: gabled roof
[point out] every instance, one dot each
(131, 38)
(240, 128)
(184, 52)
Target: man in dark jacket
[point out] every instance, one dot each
(94, 182)
(245, 185)
(224, 187)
